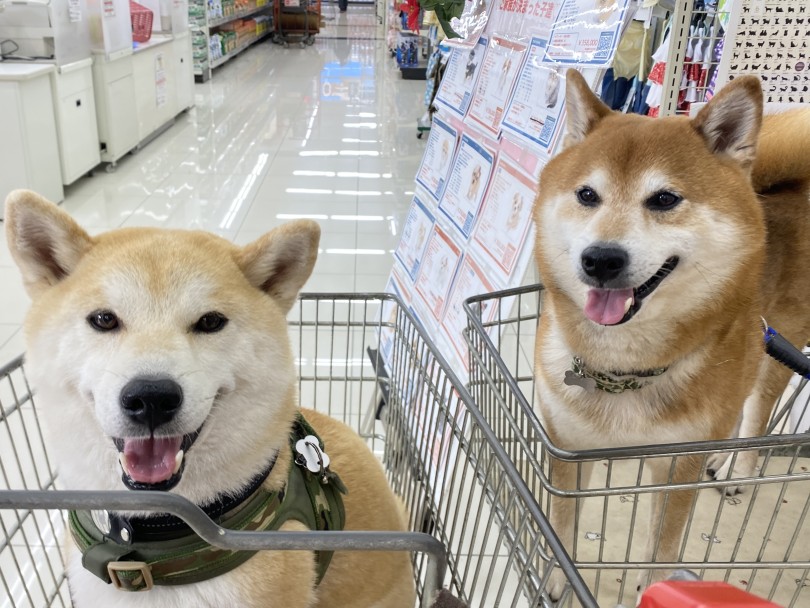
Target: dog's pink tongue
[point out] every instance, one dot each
(607, 306)
(151, 460)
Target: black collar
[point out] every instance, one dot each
(125, 530)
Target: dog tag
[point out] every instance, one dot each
(315, 458)
(573, 379)
(102, 521)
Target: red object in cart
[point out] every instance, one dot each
(700, 594)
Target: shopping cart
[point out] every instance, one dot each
(468, 508)
(757, 540)
(297, 18)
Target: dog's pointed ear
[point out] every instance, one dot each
(281, 261)
(45, 242)
(730, 122)
(583, 109)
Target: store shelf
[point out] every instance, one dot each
(239, 15)
(206, 29)
(218, 62)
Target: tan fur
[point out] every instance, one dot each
(238, 386)
(740, 258)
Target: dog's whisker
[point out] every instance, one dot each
(109, 371)
(194, 371)
(698, 267)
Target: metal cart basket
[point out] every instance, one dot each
(462, 492)
(757, 540)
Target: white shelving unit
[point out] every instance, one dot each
(204, 25)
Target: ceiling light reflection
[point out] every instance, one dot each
(301, 216)
(357, 218)
(303, 173)
(357, 251)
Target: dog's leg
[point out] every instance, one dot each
(668, 513)
(566, 476)
(772, 379)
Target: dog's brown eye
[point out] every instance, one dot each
(588, 197)
(663, 201)
(210, 322)
(103, 320)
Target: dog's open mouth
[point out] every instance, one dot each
(153, 463)
(617, 306)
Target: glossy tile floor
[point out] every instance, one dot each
(326, 132)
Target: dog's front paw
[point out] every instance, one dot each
(715, 462)
(647, 578)
(744, 466)
(556, 585)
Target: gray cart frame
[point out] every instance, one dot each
(753, 540)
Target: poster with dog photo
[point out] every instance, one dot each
(506, 215)
(586, 32)
(438, 157)
(498, 73)
(412, 245)
(389, 315)
(467, 184)
(458, 82)
(535, 111)
(470, 281)
(437, 272)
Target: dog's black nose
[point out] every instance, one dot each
(604, 263)
(151, 401)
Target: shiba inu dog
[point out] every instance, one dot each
(661, 243)
(162, 361)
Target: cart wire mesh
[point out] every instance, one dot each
(463, 493)
(756, 540)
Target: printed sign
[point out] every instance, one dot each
(522, 19)
(471, 281)
(439, 153)
(390, 315)
(506, 216)
(412, 245)
(438, 269)
(586, 32)
(535, 110)
(468, 181)
(460, 77)
(501, 66)
(160, 81)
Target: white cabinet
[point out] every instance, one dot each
(75, 109)
(114, 87)
(155, 85)
(29, 156)
(139, 93)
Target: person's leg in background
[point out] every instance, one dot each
(343, 5)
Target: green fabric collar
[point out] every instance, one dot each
(313, 499)
(609, 382)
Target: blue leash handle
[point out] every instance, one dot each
(783, 351)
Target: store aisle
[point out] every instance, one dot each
(326, 132)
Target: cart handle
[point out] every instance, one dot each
(240, 540)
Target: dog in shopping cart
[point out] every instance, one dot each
(661, 243)
(161, 361)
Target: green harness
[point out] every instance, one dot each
(313, 499)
